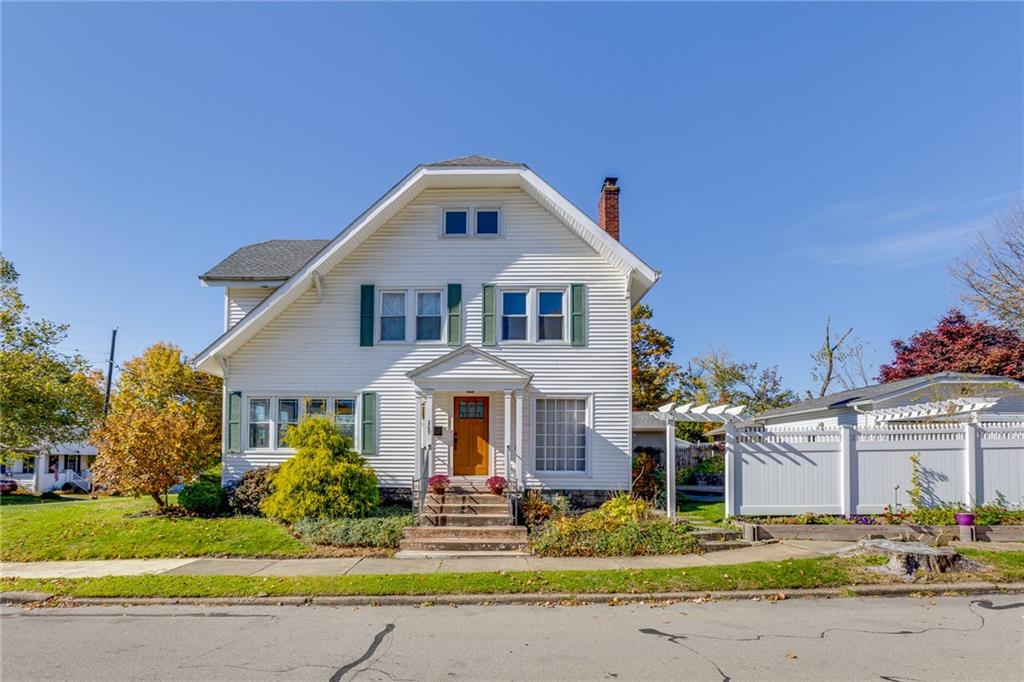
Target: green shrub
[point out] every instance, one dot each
(324, 479)
(624, 508)
(376, 531)
(213, 474)
(995, 514)
(648, 476)
(252, 488)
(594, 534)
(202, 497)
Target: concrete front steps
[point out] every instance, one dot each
(716, 539)
(466, 521)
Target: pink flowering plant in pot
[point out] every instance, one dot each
(438, 484)
(497, 484)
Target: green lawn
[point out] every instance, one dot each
(26, 499)
(789, 574)
(99, 529)
(712, 513)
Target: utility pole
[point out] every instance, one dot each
(110, 372)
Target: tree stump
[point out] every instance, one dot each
(907, 558)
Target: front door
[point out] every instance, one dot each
(470, 438)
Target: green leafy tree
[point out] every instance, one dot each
(46, 397)
(655, 376)
(716, 378)
(324, 479)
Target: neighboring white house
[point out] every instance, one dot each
(649, 432)
(945, 396)
(472, 322)
(52, 469)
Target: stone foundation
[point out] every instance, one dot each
(581, 499)
(396, 497)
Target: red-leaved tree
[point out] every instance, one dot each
(957, 344)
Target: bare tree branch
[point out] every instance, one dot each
(992, 278)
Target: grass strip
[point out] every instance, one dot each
(789, 574)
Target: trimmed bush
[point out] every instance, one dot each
(252, 488)
(202, 498)
(595, 534)
(324, 479)
(376, 531)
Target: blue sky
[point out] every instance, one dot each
(779, 163)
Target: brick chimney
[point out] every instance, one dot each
(608, 208)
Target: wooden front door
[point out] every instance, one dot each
(470, 436)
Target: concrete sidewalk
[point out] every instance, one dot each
(376, 566)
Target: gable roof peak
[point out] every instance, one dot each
(474, 161)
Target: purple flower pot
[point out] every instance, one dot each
(964, 518)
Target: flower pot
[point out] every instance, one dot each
(964, 518)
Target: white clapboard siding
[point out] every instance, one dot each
(312, 348)
(241, 300)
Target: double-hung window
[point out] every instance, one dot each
(259, 422)
(287, 417)
(561, 439)
(316, 407)
(551, 316)
(428, 315)
(345, 417)
(513, 316)
(392, 316)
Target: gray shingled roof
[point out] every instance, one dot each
(845, 398)
(475, 161)
(277, 259)
(647, 421)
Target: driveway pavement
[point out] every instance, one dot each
(897, 639)
(369, 565)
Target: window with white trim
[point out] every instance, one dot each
(392, 316)
(487, 222)
(561, 435)
(259, 422)
(428, 316)
(456, 222)
(551, 315)
(513, 316)
(316, 407)
(345, 417)
(287, 417)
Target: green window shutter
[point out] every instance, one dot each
(366, 315)
(487, 316)
(368, 430)
(578, 304)
(454, 314)
(234, 421)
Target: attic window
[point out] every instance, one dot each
(487, 221)
(456, 222)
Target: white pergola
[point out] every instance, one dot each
(939, 408)
(688, 412)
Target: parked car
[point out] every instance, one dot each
(8, 485)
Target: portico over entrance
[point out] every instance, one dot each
(471, 410)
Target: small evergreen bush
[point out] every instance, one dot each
(324, 479)
(202, 498)
(376, 531)
(252, 488)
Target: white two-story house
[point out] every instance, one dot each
(471, 322)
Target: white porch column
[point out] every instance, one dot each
(508, 433)
(419, 436)
(846, 503)
(519, 437)
(429, 419)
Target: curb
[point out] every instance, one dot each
(932, 589)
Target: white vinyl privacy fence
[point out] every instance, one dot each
(858, 470)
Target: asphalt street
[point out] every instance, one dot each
(894, 639)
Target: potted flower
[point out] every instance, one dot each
(438, 484)
(964, 518)
(497, 484)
